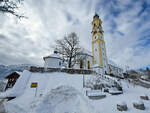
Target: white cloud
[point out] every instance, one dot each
(49, 20)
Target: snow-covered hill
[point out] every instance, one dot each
(64, 93)
(54, 92)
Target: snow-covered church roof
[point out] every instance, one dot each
(86, 52)
(54, 55)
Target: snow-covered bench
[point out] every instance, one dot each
(95, 94)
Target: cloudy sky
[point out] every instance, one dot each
(126, 25)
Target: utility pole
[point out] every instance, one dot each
(83, 81)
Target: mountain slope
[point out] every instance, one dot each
(6, 70)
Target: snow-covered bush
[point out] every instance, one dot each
(97, 82)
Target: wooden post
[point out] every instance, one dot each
(36, 92)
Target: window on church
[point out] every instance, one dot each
(88, 64)
(59, 63)
(81, 64)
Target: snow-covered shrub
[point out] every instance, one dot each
(97, 82)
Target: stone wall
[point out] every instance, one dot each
(70, 71)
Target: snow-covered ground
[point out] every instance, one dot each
(64, 93)
(28, 97)
(131, 94)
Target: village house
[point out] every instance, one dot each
(115, 70)
(12, 78)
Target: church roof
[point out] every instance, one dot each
(13, 74)
(54, 55)
(86, 52)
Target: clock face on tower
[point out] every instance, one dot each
(96, 37)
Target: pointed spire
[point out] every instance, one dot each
(96, 15)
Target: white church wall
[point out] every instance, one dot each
(85, 62)
(53, 63)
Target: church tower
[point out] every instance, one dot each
(98, 44)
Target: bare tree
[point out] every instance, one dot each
(69, 48)
(10, 6)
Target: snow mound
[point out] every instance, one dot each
(63, 99)
(12, 108)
